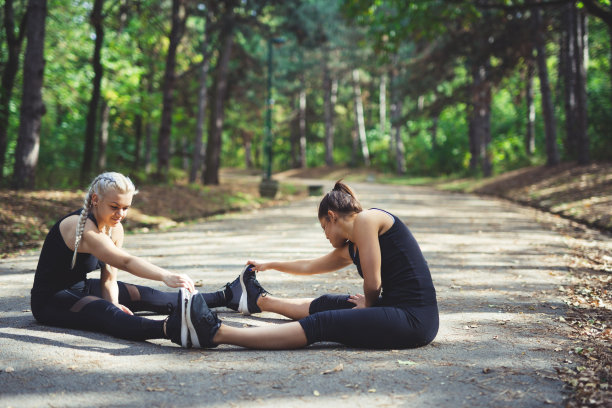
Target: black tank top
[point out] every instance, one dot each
(405, 276)
(53, 272)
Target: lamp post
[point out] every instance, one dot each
(269, 187)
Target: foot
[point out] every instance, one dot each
(176, 324)
(233, 292)
(203, 323)
(251, 291)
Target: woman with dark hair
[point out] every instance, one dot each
(397, 309)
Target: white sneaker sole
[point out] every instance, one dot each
(194, 335)
(184, 338)
(243, 305)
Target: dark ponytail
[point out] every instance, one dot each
(340, 199)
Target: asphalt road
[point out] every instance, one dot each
(497, 272)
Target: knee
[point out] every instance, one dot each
(330, 302)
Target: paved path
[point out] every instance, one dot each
(496, 270)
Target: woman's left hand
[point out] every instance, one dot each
(359, 300)
(179, 280)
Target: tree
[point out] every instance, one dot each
(198, 150)
(574, 53)
(97, 20)
(552, 152)
(14, 41)
(217, 113)
(32, 106)
(179, 18)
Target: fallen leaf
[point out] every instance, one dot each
(406, 362)
(372, 390)
(337, 368)
(9, 369)
(316, 393)
(159, 389)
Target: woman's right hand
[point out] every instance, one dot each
(179, 280)
(258, 266)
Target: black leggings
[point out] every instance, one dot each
(99, 315)
(333, 318)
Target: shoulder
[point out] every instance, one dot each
(117, 234)
(374, 220)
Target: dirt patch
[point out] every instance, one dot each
(26, 216)
(580, 193)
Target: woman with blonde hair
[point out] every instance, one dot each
(90, 239)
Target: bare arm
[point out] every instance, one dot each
(336, 259)
(108, 279)
(102, 247)
(366, 238)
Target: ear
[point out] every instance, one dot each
(332, 216)
(95, 199)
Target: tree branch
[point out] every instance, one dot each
(597, 10)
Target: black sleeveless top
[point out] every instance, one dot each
(405, 276)
(53, 272)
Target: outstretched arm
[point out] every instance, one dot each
(102, 247)
(336, 259)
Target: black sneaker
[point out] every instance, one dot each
(203, 323)
(251, 290)
(233, 292)
(176, 324)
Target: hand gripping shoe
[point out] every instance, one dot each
(251, 291)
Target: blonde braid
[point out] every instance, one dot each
(81, 224)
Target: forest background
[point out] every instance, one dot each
(176, 93)
(180, 88)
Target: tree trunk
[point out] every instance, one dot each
(13, 43)
(531, 112)
(248, 150)
(96, 20)
(434, 132)
(138, 140)
(552, 151)
(198, 148)
(474, 158)
(103, 138)
(355, 146)
(397, 145)
(568, 53)
(32, 107)
(581, 55)
(359, 118)
(217, 113)
(179, 17)
(382, 105)
(330, 86)
(400, 152)
(302, 126)
(294, 131)
(481, 119)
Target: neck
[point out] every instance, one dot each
(94, 212)
(347, 224)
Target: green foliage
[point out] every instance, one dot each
(426, 46)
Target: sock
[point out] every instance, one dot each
(215, 299)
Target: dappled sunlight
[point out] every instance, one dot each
(496, 272)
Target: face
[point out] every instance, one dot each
(112, 208)
(333, 231)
